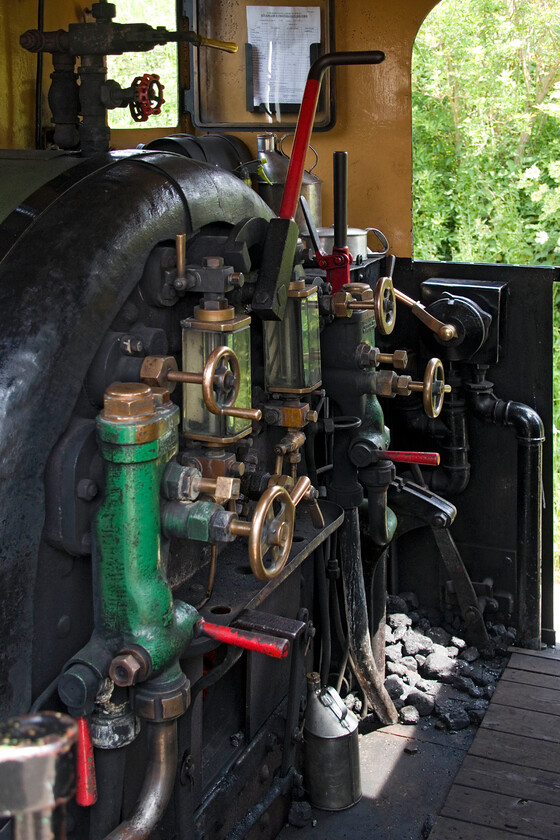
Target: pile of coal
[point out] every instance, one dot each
(432, 670)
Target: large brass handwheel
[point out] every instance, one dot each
(221, 373)
(385, 305)
(272, 531)
(434, 388)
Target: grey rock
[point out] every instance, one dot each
(423, 702)
(489, 691)
(399, 632)
(458, 719)
(389, 637)
(395, 686)
(476, 716)
(439, 635)
(410, 663)
(398, 619)
(452, 651)
(481, 675)
(393, 652)
(457, 642)
(428, 686)
(481, 705)
(414, 617)
(411, 599)
(396, 604)
(420, 658)
(470, 654)
(409, 715)
(423, 624)
(396, 668)
(299, 814)
(415, 642)
(439, 666)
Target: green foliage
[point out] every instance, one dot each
(161, 60)
(486, 139)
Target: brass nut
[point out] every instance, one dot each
(385, 383)
(340, 302)
(155, 369)
(359, 291)
(400, 359)
(128, 401)
(126, 669)
(402, 386)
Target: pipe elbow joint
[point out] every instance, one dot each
(526, 422)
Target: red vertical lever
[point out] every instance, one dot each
(86, 785)
(259, 642)
(307, 115)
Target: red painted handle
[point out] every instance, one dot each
(86, 785)
(259, 642)
(307, 115)
(430, 459)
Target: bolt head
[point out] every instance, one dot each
(126, 669)
(155, 369)
(128, 401)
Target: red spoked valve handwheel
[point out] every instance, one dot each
(148, 97)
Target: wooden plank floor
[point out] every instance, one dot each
(509, 783)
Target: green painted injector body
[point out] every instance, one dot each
(133, 599)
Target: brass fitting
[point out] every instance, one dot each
(125, 401)
(155, 370)
(359, 291)
(128, 668)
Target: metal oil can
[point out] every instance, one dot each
(331, 749)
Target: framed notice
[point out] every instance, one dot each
(260, 87)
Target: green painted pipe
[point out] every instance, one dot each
(134, 603)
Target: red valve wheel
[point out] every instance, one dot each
(148, 97)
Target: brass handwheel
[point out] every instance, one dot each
(385, 305)
(434, 388)
(272, 530)
(221, 372)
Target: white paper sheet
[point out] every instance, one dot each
(281, 37)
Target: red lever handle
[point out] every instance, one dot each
(430, 459)
(259, 642)
(86, 785)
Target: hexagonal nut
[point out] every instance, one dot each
(402, 386)
(285, 481)
(384, 382)
(179, 482)
(340, 301)
(220, 526)
(128, 401)
(366, 355)
(359, 291)
(400, 359)
(155, 369)
(127, 669)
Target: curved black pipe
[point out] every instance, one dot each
(343, 59)
(529, 431)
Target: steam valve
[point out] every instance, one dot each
(148, 97)
(432, 388)
(221, 374)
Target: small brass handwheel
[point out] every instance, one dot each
(272, 530)
(222, 372)
(434, 388)
(385, 305)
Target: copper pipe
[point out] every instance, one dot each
(158, 783)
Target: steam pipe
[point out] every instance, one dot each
(158, 783)
(529, 431)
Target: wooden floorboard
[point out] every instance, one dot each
(509, 783)
(530, 678)
(446, 829)
(533, 698)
